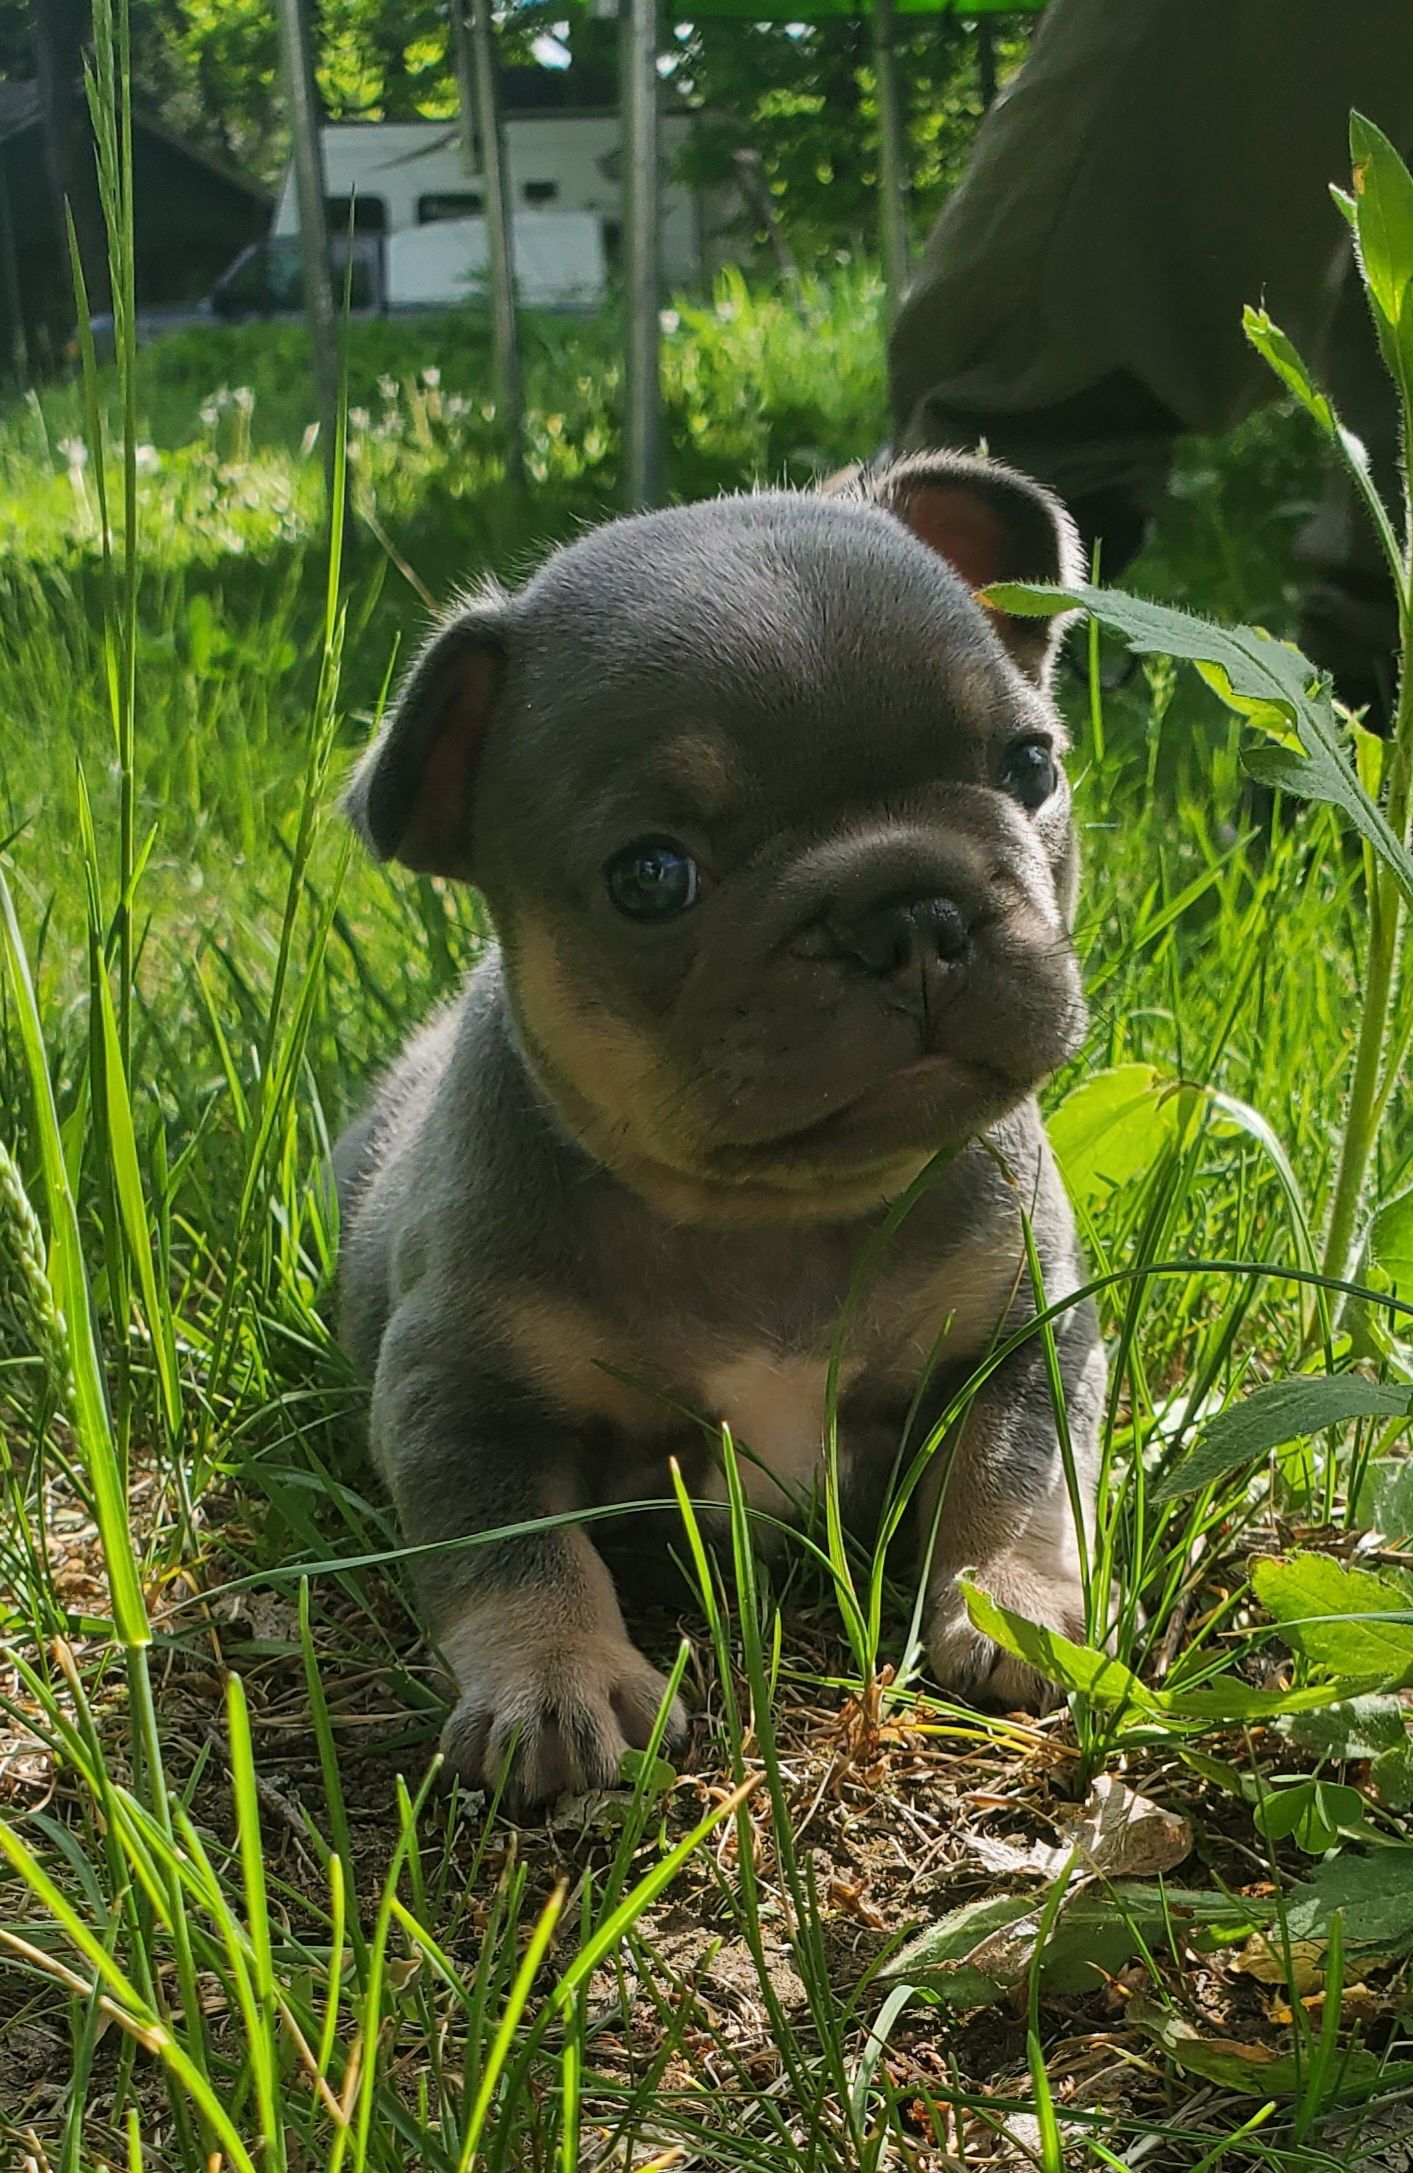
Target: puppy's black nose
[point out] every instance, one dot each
(902, 936)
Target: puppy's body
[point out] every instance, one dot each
(626, 1184)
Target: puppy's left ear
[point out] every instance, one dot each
(411, 795)
(991, 524)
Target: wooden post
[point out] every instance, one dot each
(892, 156)
(61, 29)
(14, 354)
(642, 215)
(302, 104)
(500, 236)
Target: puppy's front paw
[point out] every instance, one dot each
(559, 1719)
(966, 1661)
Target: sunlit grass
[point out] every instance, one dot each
(240, 1922)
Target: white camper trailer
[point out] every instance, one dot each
(417, 214)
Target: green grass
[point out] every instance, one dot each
(236, 1917)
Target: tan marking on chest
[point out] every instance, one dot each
(565, 1352)
(953, 1314)
(775, 1408)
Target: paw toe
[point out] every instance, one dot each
(558, 1727)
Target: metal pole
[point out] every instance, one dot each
(500, 236)
(986, 59)
(302, 100)
(642, 211)
(892, 156)
(465, 84)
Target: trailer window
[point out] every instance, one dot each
(540, 192)
(364, 214)
(448, 204)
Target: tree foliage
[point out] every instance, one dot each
(800, 97)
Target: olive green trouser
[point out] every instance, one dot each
(1155, 165)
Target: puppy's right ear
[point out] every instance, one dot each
(410, 798)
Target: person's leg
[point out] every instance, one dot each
(1155, 165)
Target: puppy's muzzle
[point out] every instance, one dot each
(907, 936)
(916, 948)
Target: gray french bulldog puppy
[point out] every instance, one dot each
(770, 817)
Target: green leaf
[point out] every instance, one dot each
(1383, 220)
(1280, 353)
(1385, 1264)
(1232, 1115)
(1324, 1609)
(1373, 1894)
(1227, 1702)
(1279, 1412)
(102, 1458)
(658, 1778)
(981, 1951)
(1392, 1775)
(1272, 345)
(1115, 1126)
(1384, 1502)
(1356, 1728)
(939, 1956)
(1219, 1774)
(1388, 1250)
(1223, 1702)
(121, 1143)
(1057, 1658)
(1312, 1813)
(1373, 1729)
(1263, 679)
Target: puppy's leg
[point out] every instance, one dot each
(1006, 1514)
(549, 1682)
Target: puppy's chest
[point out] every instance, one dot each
(767, 1360)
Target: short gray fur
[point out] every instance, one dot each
(622, 1184)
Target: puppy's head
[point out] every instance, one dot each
(772, 820)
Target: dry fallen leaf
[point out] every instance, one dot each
(1358, 2003)
(1125, 1835)
(851, 1898)
(1117, 1832)
(999, 1855)
(1264, 1959)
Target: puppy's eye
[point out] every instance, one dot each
(653, 879)
(1029, 773)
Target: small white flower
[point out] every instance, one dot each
(244, 398)
(146, 459)
(669, 320)
(387, 386)
(359, 418)
(431, 377)
(74, 451)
